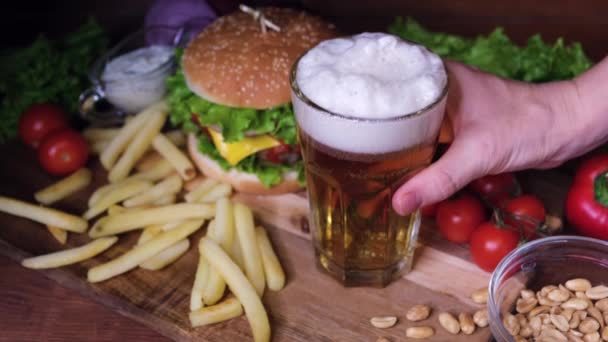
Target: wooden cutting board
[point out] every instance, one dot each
(312, 307)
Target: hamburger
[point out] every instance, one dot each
(231, 93)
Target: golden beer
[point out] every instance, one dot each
(353, 167)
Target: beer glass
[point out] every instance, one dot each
(358, 238)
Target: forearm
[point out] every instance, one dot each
(592, 88)
(580, 111)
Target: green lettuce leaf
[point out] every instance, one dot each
(495, 53)
(234, 123)
(268, 173)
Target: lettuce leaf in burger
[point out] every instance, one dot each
(231, 94)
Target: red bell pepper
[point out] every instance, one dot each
(587, 200)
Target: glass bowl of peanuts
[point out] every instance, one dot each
(551, 289)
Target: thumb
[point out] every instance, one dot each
(453, 171)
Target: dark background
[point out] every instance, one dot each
(583, 20)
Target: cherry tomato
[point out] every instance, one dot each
(495, 188)
(38, 121)
(490, 244)
(525, 212)
(63, 152)
(458, 218)
(429, 210)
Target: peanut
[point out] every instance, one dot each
(418, 313)
(588, 326)
(525, 294)
(552, 334)
(546, 289)
(480, 296)
(575, 303)
(578, 284)
(559, 295)
(419, 332)
(538, 310)
(526, 305)
(383, 322)
(511, 324)
(567, 313)
(605, 334)
(576, 320)
(595, 313)
(535, 323)
(450, 323)
(560, 322)
(592, 337)
(480, 317)
(597, 292)
(602, 305)
(574, 338)
(526, 331)
(466, 323)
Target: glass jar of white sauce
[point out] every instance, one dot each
(131, 76)
(136, 79)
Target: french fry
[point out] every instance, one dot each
(120, 142)
(177, 137)
(227, 309)
(218, 191)
(135, 219)
(98, 193)
(143, 252)
(149, 232)
(175, 156)
(59, 234)
(245, 232)
(170, 225)
(70, 256)
(169, 186)
(97, 134)
(216, 286)
(200, 190)
(97, 147)
(237, 254)
(148, 160)
(65, 187)
(200, 279)
(116, 195)
(48, 216)
(103, 190)
(156, 172)
(240, 286)
(275, 277)
(166, 257)
(193, 183)
(141, 142)
(224, 224)
(166, 200)
(94, 231)
(116, 209)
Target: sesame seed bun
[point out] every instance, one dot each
(233, 63)
(241, 181)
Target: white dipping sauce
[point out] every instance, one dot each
(373, 80)
(136, 79)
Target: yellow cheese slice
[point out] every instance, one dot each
(237, 151)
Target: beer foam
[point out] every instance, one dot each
(370, 79)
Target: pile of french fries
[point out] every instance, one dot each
(154, 188)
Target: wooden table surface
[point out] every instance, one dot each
(34, 308)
